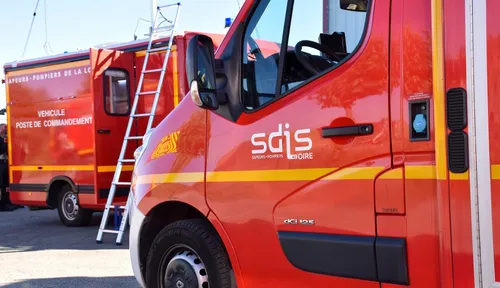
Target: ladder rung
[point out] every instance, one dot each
(134, 137)
(169, 5)
(148, 93)
(110, 231)
(122, 183)
(169, 28)
(159, 49)
(165, 28)
(119, 207)
(153, 70)
(141, 115)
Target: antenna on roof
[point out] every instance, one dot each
(31, 27)
(46, 46)
(154, 5)
(137, 26)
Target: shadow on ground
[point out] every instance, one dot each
(23, 230)
(101, 282)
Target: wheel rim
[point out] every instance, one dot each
(183, 268)
(70, 205)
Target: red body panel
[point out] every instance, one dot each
(40, 147)
(108, 145)
(79, 151)
(460, 203)
(377, 185)
(34, 132)
(337, 179)
(389, 192)
(385, 182)
(188, 134)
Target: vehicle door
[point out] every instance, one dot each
(291, 176)
(113, 87)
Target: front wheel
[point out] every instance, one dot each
(70, 212)
(188, 254)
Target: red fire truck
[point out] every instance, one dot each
(360, 154)
(67, 116)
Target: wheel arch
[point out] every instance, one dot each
(228, 246)
(54, 187)
(170, 211)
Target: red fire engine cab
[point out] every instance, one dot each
(361, 153)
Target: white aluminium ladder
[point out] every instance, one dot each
(133, 115)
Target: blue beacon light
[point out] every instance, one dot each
(228, 22)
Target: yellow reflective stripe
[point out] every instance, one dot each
(351, 173)
(268, 175)
(355, 173)
(9, 134)
(113, 168)
(358, 173)
(70, 168)
(170, 178)
(420, 172)
(53, 168)
(459, 176)
(397, 173)
(143, 52)
(495, 172)
(175, 76)
(438, 90)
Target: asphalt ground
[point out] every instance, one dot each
(37, 250)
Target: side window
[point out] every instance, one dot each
(116, 92)
(322, 34)
(262, 44)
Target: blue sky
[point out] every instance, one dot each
(80, 24)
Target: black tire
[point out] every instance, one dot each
(196, 236)
(82, 217)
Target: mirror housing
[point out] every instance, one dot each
(200, 72)
(354, 5)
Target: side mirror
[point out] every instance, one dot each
(200, 72)
(354, 5)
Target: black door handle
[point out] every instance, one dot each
(103, 131)
(354, 130)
